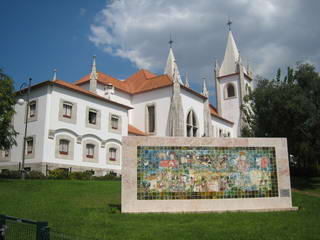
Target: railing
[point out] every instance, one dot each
(12, 228)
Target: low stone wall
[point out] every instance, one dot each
(205, 174)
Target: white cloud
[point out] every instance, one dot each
(82, 11)
(138, 30)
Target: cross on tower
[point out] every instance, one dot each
(229, 24)
(171, 41)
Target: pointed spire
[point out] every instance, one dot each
(186, 83)
(94, 68)
(231, 57)
(93, 76)
(54, 74)
(205, 91)
(172, 67)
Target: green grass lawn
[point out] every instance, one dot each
(82, 208)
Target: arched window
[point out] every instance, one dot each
(90, 150)
(64, 146)
(230, 91)
(112, 154)
(192, 125)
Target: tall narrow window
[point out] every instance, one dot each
(114, 122)
(192, 126)
(151, 119)
(67, 110)
(92, 116)
(29, 145)
(112, 154)
(220, 133)
(89, 150)
(230, 91)
(32, 109)
(64, 147)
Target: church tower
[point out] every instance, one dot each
(233, 81)
(176, 116)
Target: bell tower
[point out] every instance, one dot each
(232, 81)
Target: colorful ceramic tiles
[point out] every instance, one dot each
(206, 172)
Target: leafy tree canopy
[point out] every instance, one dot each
(7, 102)
(288, 107)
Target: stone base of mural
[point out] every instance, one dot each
(205, 175)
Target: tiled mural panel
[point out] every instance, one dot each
(206, 172)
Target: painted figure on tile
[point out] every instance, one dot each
(224, 172)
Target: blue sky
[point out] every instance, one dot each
(126, 35)
(38, 36)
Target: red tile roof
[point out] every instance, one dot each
(215, 113)
(76, 88)
(141, 81)
(136, 131)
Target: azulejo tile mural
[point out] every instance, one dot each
(206, 172)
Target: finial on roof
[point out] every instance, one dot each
(93, 76)
(170, 41)
(54, 74)
(205, 91)
(94, 68)
(229, 23)
(186, 83)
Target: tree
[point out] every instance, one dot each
(7, 102)
(288, 107)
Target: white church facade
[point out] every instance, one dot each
(80, 125)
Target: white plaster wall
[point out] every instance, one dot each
(230, 108)
(80, 129)
(162, 98)
(220, 124)
(35, 128)
(191, 101)
(118, 96)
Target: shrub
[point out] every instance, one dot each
(108, 176)
(86, 175)
(10, 174)
(35, 175)
(59, 173)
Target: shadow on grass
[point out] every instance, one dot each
(114, 208)
(304, 184)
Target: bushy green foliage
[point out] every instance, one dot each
(10, 174)
(109, 176)
(59, 173)
(7, 102)
(86, 175)
(35, 175)
(288, 107)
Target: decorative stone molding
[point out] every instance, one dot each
(119, 129)
(79, 139)
(35, 117)
(70, 154)
(97, 125)
(176, 116)
(95, 158)
(31, 155)
(51, 133)
(73, 118)
(118, 154)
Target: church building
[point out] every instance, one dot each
(79, 126)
